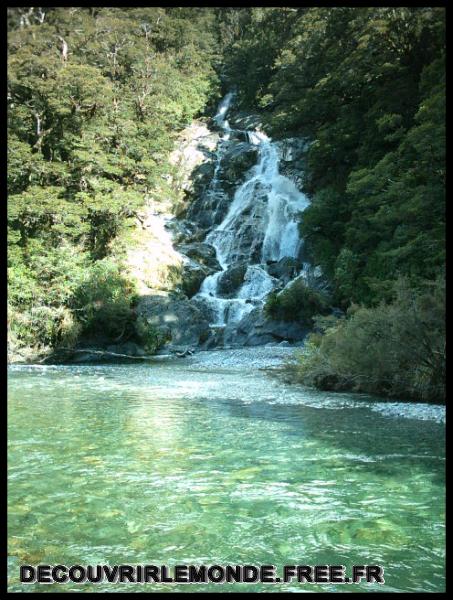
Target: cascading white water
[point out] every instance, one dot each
(221, 113)
(261, 225)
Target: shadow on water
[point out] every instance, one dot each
(367, 433)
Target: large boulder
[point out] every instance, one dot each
(176, 321)
(202, 175)
(202, 253)
(183, 231)
(237, 160)
(283, 269)
(209, 208)
(244, 120)
(214, 184)
(193, 275)
(206, 307)
(231, 280)
(293, 159)
(256, 329)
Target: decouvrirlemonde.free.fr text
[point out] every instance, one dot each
(303, 574)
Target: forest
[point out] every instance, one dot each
(96, 99)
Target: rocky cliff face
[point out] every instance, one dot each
(230, 238)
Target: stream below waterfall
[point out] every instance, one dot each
(210, 460)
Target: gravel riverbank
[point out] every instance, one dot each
(271, 357)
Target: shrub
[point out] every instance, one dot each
(42, 328)
(150, 337)
(395, 349)
(103, 301)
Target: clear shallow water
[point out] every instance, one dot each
(190, 462)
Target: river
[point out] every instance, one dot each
(212, 460)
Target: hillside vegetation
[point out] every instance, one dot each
(95, 98)
(366, 86)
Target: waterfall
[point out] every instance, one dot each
(221, 113)
(261, 226)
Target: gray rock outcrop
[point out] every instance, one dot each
(256, 329)
(179, 321)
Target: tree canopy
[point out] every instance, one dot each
(95, 98)
(367, 87)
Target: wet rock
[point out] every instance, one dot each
(206, 308)
(193, 275)
(215, 340)
(239, 136)
(84, 357)
(126, 348)
(284, 269)
(212, 191)
(231, 280)
(202, 253)
(214, 125)
(293, 159)
(244, 120)
(210, 208)
(202, 175)
(256, 329)
(238, 159)
(292, 149)
(177, 320)
(181, 230)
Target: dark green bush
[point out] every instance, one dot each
(395, 349)
(150, 337)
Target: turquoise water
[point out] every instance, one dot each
(182, 463)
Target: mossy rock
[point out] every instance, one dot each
(297, 302)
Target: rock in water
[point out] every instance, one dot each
(285, 269)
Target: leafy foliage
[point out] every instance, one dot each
(395, 349)
(95, 98)
(367, 85)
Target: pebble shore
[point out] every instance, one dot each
(270, 357)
